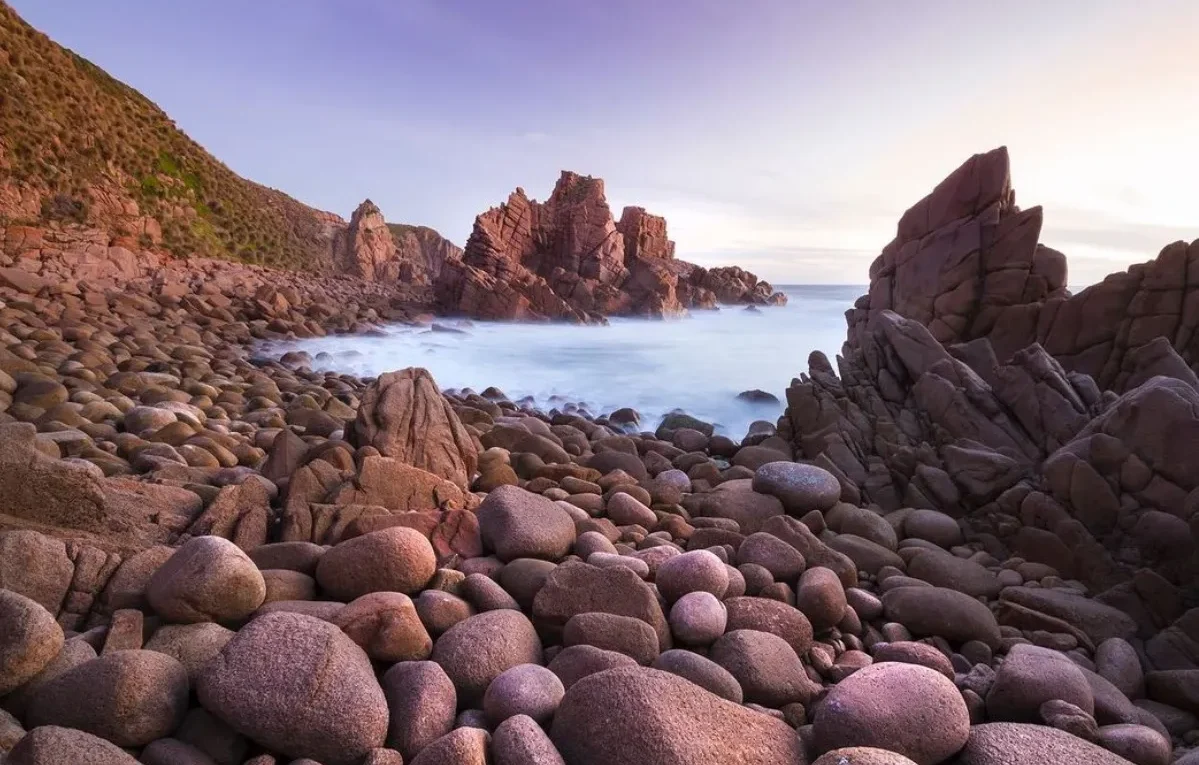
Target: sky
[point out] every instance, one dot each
(785, 136)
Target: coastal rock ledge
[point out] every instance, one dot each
(972, 544)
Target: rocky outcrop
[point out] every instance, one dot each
(966, 262)
(421, 252)
(369, 248)
(567, 258)
(972, 383)
(403, 415)
(365, 248)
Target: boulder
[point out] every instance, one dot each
(55, 745)
(526, 689)
(299, 686)
(519, 524)
(1031, 676)
(801, 488)
(766, 667)
(519, 740)
(905, 708)
(404, 415)
(477, 650)
(940, 612)
(1005, 743)
(396, 559)
(129, 697)
(702, 671)
(694, 571)
(579, 588)
(29, 640)
(386, 626)
(208, 579)
(423, 704)
(657, 718)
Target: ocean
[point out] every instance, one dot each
(698, 364)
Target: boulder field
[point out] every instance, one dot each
(975, 545)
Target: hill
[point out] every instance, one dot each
(76, 145)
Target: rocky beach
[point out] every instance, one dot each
(970, 539)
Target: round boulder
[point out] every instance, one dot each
(477, 650)
(54, 745)
(30, 638)
(208, 579)
(526, 689)
(1029, 677)
(821, 598)
(423, 704)
(638, 715)
(612, 632)
(575, 662)
(782, 560)
(519, 740)
(1019, 743)
(128, 697)
(766, 667)
(695, 571)
(941, 612)
(862, 755)
(299, 686)
(702, 671)
(698, 618)
(519, 524)
(773, 616)
(905, 708)
(801, 488)
(395, 559)
(932, 526)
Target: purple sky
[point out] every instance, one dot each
(785, 136)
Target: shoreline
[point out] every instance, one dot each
(945, 529)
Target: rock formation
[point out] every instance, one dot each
(966, 263)
(568, 258)
(369, 248)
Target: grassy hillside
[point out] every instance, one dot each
(84, 143)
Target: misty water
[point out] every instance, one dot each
(697, 364)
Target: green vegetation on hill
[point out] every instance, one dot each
(71, 132)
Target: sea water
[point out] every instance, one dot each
(698, 364)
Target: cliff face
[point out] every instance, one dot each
(568, 258)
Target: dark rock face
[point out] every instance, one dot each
(568, 258)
